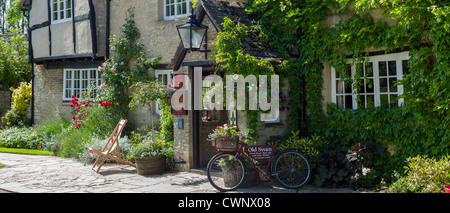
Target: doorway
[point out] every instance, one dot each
(202, 148)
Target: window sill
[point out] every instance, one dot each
(61, 21)
(175, 18)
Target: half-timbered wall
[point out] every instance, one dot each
(79, 32)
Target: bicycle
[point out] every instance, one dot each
(227, 170)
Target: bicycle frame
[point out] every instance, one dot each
(242, 147)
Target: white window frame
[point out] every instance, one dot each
(397, 57)
(169, 75)
(58, 10)
(175, 4)
(76, 86)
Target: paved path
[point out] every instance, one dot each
(50, 174)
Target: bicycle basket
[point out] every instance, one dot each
(226, 144)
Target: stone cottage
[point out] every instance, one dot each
(69, 39)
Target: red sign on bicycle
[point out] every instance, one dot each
(260, 152)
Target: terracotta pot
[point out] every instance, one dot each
(151, 165)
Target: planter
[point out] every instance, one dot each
(151, 165)
(232, 177)
(225, 144)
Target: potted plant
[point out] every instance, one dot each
(150, 157)
(165, 93)
(232, 176)
(230, 132)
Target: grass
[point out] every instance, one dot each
(25, 151)
(1, 165)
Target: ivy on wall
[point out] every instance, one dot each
(298, 30)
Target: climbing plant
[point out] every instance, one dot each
(128, 63)
(300, 30)
(233, 60)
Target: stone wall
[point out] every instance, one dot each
(159, 36)
(48, 94)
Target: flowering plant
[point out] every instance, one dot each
(231, 131)
(80, 111)
(150, 148)
(165, 91)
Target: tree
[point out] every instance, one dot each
(11, 17)
(15, 18)
(14, 67)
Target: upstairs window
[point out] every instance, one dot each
(61, 10)
(377, 87)
(176, 9)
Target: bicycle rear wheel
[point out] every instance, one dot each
(225, 172)
(295, 177)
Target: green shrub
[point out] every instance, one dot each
(309, 146)
(20, 137)
(166, 120)
(52, 126)
(21, 100)
(14, 118)
(424, 175)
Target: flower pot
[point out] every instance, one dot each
(225, 144)
(447, 189)
(151, 165)
(231, 177)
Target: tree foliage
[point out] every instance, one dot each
(14, 67)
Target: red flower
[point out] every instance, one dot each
(218, 127)
(74, 117)
(78, 107)
(169, 85)
(84, 115)
(78, 125)
(79, 116)
(100, 102)
(90, 105)
(73, 96)
(84, 102)
(71, 105)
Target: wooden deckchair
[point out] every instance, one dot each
(113, 151)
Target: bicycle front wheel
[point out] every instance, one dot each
(296, 167)
(226, 172)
